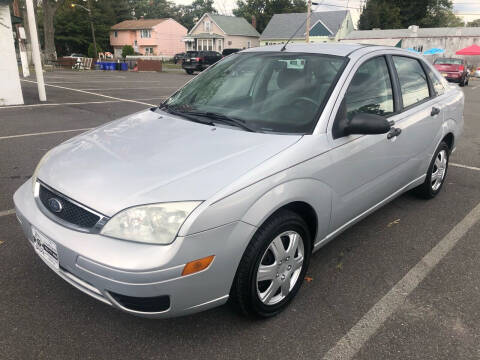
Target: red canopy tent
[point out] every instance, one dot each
(471, 50)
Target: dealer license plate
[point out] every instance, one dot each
(45, 248)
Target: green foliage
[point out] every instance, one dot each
(188, 15)
(91, 50)
(127, 50)
(474, 23)
(72, 25)
(394, 14)
(264, 10)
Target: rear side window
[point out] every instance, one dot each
(370, 90)
(413, 81)
(436, 83)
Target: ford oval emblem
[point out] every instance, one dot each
(55, 205)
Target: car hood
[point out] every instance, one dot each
(151, 157)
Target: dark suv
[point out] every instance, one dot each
(453, 69)
(199, 60)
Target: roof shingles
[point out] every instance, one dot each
(283, 26)
(233, 25)
(137, 24)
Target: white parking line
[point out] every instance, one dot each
(91, 93)
(7, 212)
(348, 346)
(465, 166)
(42, 133)
(75, 103)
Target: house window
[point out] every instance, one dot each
(145, 33)
(115, 33)
(249, 44)
(229, 43)
(207, 26)
(149, 51)
(219, 45)
(210, 45)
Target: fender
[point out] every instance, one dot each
(310, 191)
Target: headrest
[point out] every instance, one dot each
(288, 76)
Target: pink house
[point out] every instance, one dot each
(148, 36)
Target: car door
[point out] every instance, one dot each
(367, 170)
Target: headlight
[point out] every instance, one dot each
(40, 163)
(153, 224)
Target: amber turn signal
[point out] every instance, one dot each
(197, 265)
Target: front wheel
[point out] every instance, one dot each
(273, 266)
(189, 72)
(436, 173)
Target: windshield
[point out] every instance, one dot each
(449, 61)
(273, 92)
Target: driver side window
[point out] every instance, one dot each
(370, 90)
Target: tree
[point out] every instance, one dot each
(474, 23)
(91, 51)
(72, 26)
(264, 10)
(49, 8)
(394, 14)
(127, 50)
(380, 14)
(188, 15)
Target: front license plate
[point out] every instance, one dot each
(45, 248)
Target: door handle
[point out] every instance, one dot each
(393, 133)
(435, 111)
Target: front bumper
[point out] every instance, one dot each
(104, 268)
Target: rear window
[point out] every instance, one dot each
(192, 53)
(448, 61)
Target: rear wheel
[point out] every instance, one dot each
(436, 173)
(273, 266)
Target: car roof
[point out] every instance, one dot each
(338, 49)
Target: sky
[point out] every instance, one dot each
(226, 6)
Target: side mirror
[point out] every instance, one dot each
(367, 124)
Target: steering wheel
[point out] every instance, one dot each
(307, 100)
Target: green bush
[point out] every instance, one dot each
(127, 50)
(91, 51)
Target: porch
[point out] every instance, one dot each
(204, 42)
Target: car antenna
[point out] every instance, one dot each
(284, 47)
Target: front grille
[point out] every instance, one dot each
(143, 304)
(68, 211)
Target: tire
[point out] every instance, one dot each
(462, 83)
(284, 270)
(189, 72)
(432, 185)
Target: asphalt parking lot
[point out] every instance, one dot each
(402, 284)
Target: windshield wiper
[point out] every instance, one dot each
(224, 119)
(187, 115)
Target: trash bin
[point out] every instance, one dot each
(102, 65)
(124, 66)
(117, 66)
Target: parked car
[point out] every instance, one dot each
(199, 60)
(477, 72)
(453, 69)
(75, 55)
(226, 189)
(227, 52)
(178, 57)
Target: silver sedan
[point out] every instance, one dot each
(225, 190)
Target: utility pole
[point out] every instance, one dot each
(32, 25)
(89, 11)
(309, 11)
(93, 29)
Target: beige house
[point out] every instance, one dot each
(215, 32)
